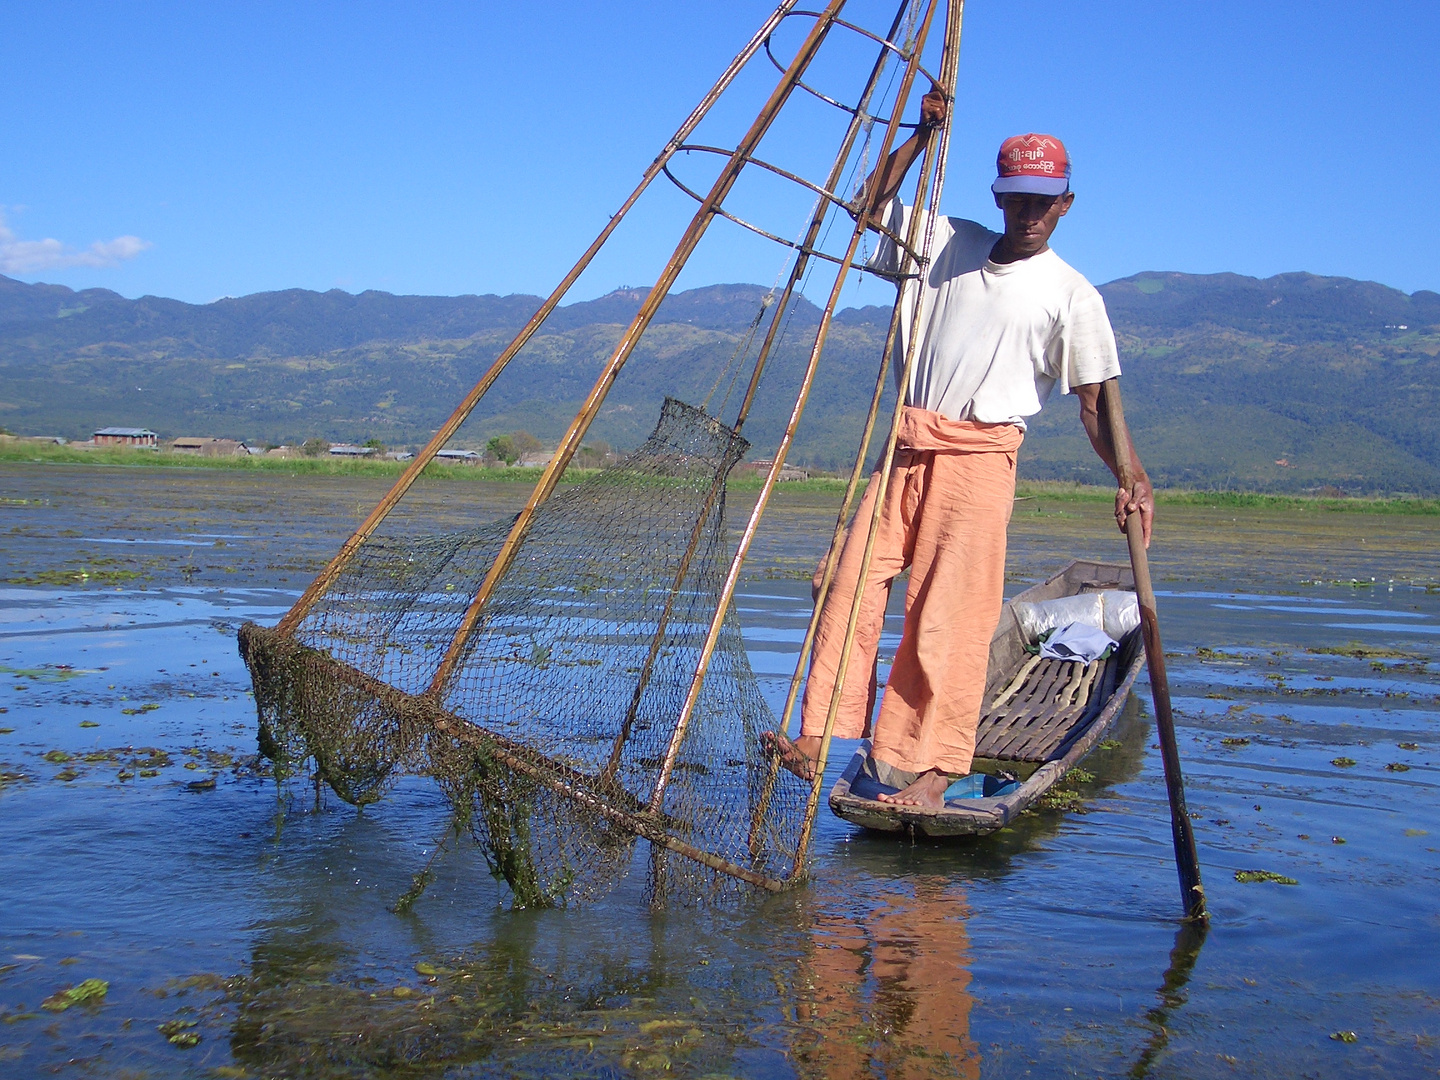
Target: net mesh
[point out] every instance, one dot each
(549, 734)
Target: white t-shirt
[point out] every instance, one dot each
(995, 338)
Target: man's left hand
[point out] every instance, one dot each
(1139, 499)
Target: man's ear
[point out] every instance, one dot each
(998, 204)
(1066, 201)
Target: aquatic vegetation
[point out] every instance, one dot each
(88, 992)
(1246, 877)
(1361, 651)
(1397, 766)
(179, 1033)
(81, 576)
(1408, 746)
(56, 757)
(1235, 740)
(1343, 762)
(1345, 1036)
(56, 673)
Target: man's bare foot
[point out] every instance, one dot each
(798, 756)
(927, 791)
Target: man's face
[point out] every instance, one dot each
(1030, 219)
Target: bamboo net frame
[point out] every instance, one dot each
(423, 714)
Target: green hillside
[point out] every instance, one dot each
(1225, 375)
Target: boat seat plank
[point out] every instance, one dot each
(1040, 688)
(1036, 720)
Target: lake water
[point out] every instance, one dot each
(257, 927)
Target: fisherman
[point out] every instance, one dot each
(1003, 321)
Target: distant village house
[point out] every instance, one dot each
(346, 450)
(204, 446)
(762, 467)
(125, 436)
(459, 457)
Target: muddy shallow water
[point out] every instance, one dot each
(144, 845)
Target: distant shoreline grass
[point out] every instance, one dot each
(1062, 491)
(17, 453)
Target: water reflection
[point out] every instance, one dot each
(884, 992)
(1172, 996)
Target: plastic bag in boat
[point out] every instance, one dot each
(1115, 611)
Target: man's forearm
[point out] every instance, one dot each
(1097, 426)
(884, 183)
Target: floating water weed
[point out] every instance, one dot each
(178, 1033)
(49, 672)
(1343, 762)
(1408, 746)
(1235, 741)
(1361, 651)
(1345, 1036)
(1246, 877)
(1397, 766)
(90, 991)
(56, 757)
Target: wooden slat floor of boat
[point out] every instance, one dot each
(1042, 714)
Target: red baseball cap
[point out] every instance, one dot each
(1034, 164)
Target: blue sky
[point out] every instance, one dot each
(202, 150)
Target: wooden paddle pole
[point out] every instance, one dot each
(1187, 862)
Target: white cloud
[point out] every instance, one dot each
(28, 256)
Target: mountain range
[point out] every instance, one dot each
(1287, 383)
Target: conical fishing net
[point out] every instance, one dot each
(549, 733)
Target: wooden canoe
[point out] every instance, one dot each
(1042, 717)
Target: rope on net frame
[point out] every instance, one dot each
(949, 67)
(804, 250)
(908, 251)
(599, 813)
(467, 405)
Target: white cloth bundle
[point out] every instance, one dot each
(1115, 611)
(1076, 641)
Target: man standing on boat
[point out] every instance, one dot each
(1003, 321)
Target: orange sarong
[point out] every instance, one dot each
(946, 509)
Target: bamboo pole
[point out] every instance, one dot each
(797, 271)
(571, 440)
(337, 564)
(949, 67)
(832, 561)
(1187, 861)
(747, 538)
